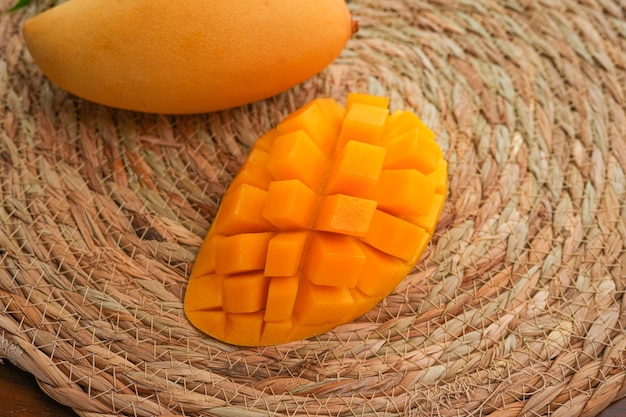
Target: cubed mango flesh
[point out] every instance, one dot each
(331, 210)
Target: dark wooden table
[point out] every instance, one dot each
(21, 397)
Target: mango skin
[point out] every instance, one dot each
(196, 56)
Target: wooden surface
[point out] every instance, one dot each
(21, 397)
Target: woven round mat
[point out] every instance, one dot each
(517, 308)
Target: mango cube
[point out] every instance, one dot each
(241, 253)
(320, 119)
(295, 156)
(284, 254)
(290, 204)
(334, 260)
(281, 298)
(345, 214)
(349, 175)
(240, 211)
(245, 293)
(320, 305)
(363, 123)
(412, 149)
(404, 192)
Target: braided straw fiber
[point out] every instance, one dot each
(517, 308)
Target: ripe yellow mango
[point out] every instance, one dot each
(331, 210)
(164, 56)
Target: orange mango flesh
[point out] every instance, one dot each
(331, 210)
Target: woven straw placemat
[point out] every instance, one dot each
(517, 308)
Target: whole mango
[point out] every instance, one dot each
(163, 56)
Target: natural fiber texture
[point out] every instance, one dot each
(516, 309)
